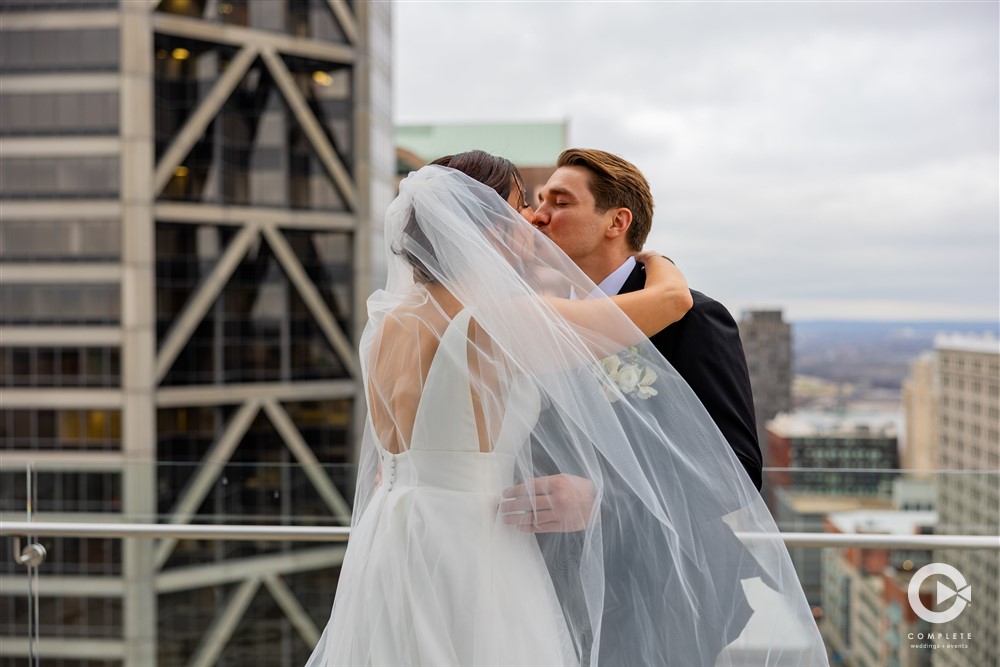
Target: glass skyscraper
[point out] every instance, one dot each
(191, 194)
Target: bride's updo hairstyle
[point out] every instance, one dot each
(498, 173)
(482, 173)
(490, 170)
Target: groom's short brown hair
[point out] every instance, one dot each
(615, 183)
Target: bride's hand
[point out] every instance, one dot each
(650, 255)
(554, 504)
(661, 269)
(663, 274)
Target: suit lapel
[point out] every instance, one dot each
(664, 341)
(635, 281)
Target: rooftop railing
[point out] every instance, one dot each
(247, 555)
(244, 532)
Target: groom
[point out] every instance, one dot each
(598, 209)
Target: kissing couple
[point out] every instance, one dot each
(559, 463)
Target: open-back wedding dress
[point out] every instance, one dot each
(433, 576)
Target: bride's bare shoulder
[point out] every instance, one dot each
(408, 321)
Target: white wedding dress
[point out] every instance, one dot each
(432, 576)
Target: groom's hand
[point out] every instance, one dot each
(554, 504)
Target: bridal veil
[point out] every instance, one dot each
(679, 562)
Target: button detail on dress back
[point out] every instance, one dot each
(391, 475)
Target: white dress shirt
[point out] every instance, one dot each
(613, 283)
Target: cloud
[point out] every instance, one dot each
(836, 158)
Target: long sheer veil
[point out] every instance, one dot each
(680, 562)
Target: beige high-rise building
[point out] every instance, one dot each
(969, 488)
(918, 451)
(767, 344)
(191, 195)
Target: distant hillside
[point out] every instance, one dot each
(869, 354)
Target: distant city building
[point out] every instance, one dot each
(920, 406)
(533, 147)
(827, 462)
(767, 344)
(867, 618)
(805, 512)
(969, 500)
(915, 493)
(841, 453)
(192, 194)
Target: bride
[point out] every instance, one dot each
(482, 369)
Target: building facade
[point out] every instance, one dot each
(804, 512)
(920, 404)
(837, 453)
(827, 462)
(767, 344)
(969, 487)
(191, 197)
(867, 620)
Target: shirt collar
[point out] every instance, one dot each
(614, 282)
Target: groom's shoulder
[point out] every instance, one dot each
(706, 309)
(703, 302)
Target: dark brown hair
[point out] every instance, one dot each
(491, 170)
(615, 183)
(495, 172)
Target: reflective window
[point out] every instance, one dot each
(259, 329)
(62, 491)
(59, 50)
(76, 113)
(255, 152)
(55, 5)
(60, 240)
(38, 429)
(59, 177)
(59, 304)
(63, 616)
(183, 436)
(312, 19)
(262, 477)
(60, 367)
(66, 555)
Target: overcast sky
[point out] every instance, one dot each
(836, 159)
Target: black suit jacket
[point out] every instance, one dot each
(705, 348)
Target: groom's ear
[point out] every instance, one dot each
(620, 223)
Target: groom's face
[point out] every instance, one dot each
(567, 214)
